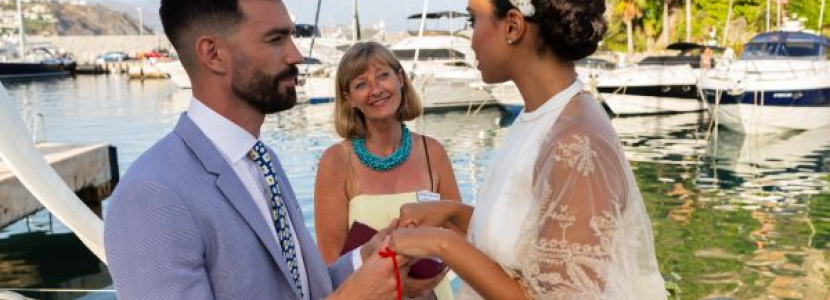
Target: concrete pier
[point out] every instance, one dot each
(90, 170)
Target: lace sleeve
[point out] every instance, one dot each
(576, 247)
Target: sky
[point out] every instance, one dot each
(333, 12)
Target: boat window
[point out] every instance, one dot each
(799, 49)
(428, 54)
(781, 50)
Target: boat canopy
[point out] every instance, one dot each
(684, 46)
(786, 45)
(442, 14)
(689, 55)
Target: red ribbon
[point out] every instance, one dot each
(387, 253)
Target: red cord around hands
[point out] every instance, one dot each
(387, 253)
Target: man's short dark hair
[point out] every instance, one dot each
(185, 20)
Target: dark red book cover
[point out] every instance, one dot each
(361, 233)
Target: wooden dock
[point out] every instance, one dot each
(89, 170)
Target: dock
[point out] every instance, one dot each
(89, 170)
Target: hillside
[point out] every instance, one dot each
(70, 19)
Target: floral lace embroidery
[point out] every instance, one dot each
(578, 154)
(558, 267)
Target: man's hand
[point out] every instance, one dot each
(374, 280)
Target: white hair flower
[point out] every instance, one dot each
(524, 6)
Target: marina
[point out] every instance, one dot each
(766, 204)
(730, 152)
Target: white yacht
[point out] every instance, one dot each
(657, 84)
(443, 68)
(781, 82)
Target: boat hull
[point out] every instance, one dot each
(25, 70)
(624, 104)
(770, 111)
(760, 96)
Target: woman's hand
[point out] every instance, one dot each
(426, 214)
(421, 242)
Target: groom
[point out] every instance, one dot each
(207, 212)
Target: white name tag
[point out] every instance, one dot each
(428, 196)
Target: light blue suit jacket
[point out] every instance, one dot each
(182, 226)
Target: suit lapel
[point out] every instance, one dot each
(234, 191)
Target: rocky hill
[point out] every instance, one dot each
(71, 19)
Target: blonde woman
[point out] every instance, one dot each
(380, 165)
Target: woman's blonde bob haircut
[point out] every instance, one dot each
(349, 121)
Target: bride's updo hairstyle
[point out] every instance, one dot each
(570, 28)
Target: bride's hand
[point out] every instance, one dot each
(421, 242)
(426, 214)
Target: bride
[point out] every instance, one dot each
(560, 216)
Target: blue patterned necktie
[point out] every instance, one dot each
(279, 214)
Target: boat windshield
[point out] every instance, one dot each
(787, 50)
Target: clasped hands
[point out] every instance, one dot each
(417, 233)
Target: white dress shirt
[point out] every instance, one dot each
(234, 143)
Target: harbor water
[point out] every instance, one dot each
(734, 216)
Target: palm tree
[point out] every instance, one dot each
(629, 10)
(666, 25)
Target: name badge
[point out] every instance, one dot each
(428, 196)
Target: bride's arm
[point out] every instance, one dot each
(477, 269)
(448, 214)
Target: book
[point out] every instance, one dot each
(361, 233)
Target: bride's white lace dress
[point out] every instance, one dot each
(561, 211)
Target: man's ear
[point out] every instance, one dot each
(516, 26)
(210, 54)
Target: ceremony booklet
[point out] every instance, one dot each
(361, 233)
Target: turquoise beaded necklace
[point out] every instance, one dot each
(383, 164)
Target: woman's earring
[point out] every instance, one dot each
(510, 42)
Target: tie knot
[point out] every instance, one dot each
(258, 152)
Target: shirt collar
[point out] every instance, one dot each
(231, 140)
(557, 101)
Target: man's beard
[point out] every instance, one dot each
(261, 90)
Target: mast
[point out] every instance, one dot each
(778, 15)
(726, 28)
(767, 15)
(21, 31)
(355, 23)
(688, 21)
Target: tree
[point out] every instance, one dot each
(628, 10)
(666, 26)
(810, 10)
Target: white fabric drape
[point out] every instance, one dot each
(586, 233)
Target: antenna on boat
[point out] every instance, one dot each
(821, 16)
(420, 35)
